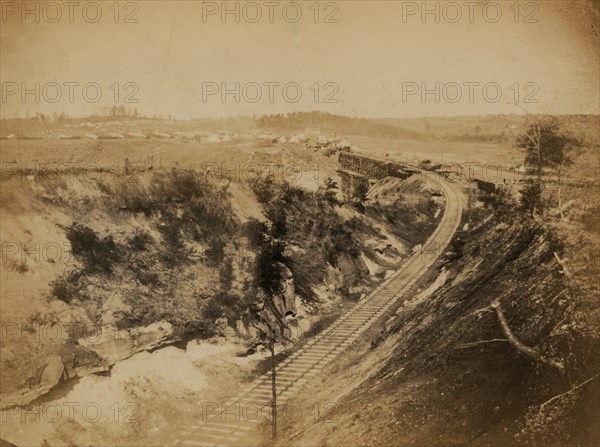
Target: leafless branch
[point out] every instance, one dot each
(516, 343)
(563, 264)
(558, 396)
(468, 345)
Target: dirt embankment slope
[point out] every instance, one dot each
(499, 350)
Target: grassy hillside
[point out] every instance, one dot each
(492, 128)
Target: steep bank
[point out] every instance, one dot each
(501, 349)
(164, 256)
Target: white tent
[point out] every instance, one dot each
(299, 138)
(312, 134)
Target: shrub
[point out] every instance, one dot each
(501, 201)
(226, 275)
(66, 287)
(224, 303)
(21, 267)
(531, 198)
(340, 241)
(97, 254)
(140, 241)
(147, 278)
(253, 231)
(215, 252)
(308, 271)
(263, 188)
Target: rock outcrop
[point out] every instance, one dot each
(93, 354)
(112, 346)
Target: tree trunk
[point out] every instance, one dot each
(273, 389)
(512, 338)
(558, 193)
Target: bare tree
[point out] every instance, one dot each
(545, 146)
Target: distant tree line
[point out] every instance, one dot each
(336, 124)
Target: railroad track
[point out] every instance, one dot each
(233, 423)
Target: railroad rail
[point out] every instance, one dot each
(233, 423)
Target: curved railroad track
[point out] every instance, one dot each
(233, 423)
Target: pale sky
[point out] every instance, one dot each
(364, 61)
